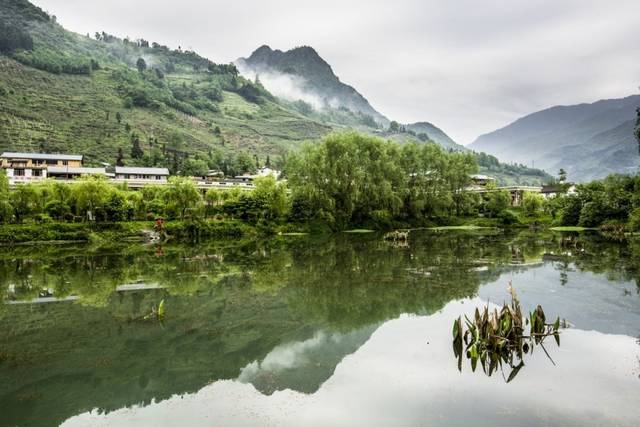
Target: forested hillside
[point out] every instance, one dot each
(137, 102)
(99, 95)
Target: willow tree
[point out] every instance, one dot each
(5, 205)
(182, 195)
(350, 179)
(347, 177)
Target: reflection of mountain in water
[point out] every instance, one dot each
(276, 314)
(303, 365)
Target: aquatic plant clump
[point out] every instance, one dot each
(498, 337)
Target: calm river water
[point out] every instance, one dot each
(346, 330)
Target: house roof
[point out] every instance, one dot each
(82, 171)
(41, 156)
(485, 177)
(141, 171)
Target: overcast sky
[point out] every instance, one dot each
(468, 66)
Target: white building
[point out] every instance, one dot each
(159, 175)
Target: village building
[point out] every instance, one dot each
(482, 180)
(486, 184)
(34, 166)
(159, 175)
(549, 191)
(70, 172)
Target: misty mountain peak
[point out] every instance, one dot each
(319, 78)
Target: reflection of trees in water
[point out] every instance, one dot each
(231, 304)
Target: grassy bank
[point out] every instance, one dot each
(56, 232)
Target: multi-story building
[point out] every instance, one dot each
(33, 166)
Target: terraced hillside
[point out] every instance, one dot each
(140, 103)
(82, 94)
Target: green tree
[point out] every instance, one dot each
(570, 215)
(497, 202)
(212, 197)
(117, 207)
(244, 163)
(532, 203)
(562, 176)
(120, 158)
(194, 167)
(182, 195)
(6, 211)
(459, 170)
(394, 126)
(141, 65)
(24, 200)
(90, 195)
(273, 195)
(136, 149)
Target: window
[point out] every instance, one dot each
(18, 172)
(37, 172)
(65, 163)
(158, 177)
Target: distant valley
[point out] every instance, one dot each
(589, 141)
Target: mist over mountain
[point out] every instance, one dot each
(301, 73)
(589, 141)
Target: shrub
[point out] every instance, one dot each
(634, 220)
(571, 211)
(507, 217)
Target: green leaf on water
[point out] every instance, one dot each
(515, 371)
(161, 310)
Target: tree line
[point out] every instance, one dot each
(345, 180)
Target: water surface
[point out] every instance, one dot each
(301, 331)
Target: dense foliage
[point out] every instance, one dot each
(97, 200)
(612, 202)
(351, 178)
(345, 180)
(12, 38)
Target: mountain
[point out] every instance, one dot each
(66, 92)
(435, 134)
(589, 141)
(309, 75)
(102, 95)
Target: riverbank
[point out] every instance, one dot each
(59, 232)
(196, 230)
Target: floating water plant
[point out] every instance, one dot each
(156, 313)
(498, 338)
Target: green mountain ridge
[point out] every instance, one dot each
(103, 97)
